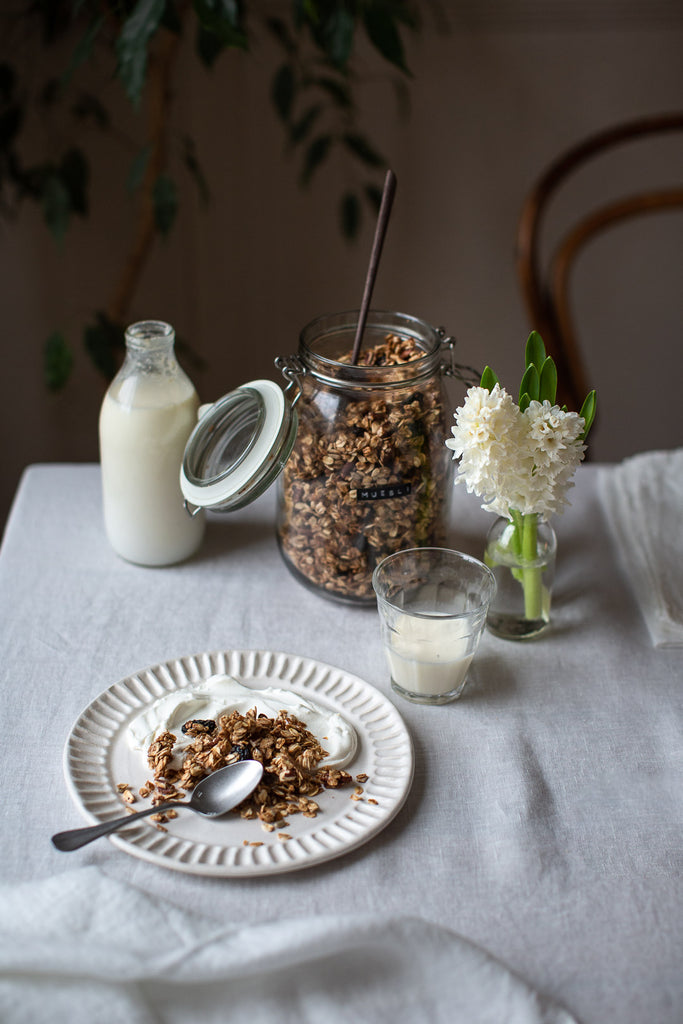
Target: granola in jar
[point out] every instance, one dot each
(369, 473)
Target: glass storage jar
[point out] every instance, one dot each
(369, 472)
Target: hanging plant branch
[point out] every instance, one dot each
(312, 92)
(150, 218)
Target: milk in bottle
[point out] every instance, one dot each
(147, 416)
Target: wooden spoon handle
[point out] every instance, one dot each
(388, 194)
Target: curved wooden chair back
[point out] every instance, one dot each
(546, 290)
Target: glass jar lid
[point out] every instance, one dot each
(238, 447)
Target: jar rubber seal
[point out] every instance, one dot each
(238, 447)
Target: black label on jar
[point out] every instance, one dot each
(385, 491)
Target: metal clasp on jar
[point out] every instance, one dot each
(449, 368)
(292, 369)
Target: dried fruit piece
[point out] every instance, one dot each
(197, 726)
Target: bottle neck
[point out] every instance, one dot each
(150, 336)
(150, 373)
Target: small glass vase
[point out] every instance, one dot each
(521, 555)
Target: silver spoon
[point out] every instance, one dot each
(217, 794)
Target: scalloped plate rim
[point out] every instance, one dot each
(96, 765)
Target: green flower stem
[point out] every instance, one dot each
(518, 533)
(531, 574)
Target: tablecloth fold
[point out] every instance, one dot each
(642, 499)
(84, 947)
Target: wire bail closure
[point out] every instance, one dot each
(292, 369)
(466, 374)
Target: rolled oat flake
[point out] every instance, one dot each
(357, 449)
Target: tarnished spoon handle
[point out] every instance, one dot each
(74, 838)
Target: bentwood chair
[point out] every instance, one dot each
(546, 289)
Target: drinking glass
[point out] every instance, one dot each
(432, 605)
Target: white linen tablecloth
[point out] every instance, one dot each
(643, 500)
(545, 821)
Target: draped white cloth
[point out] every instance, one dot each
(643, 498)
(82, 947)
(536, 864)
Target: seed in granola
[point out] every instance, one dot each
(242, 751)
(196, 726)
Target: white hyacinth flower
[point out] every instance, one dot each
(512, 459)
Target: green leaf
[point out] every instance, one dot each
(103, 342)
(222, 19)
(194, 167)
(301, 128)
(306, 10)
(171, 18)
(280, 30)
(488, 379)
(57, 361)
(74, 173)
(524, 402)
(56, 204)
(535, 351)
(132, 43)
(383, 33)
(373, 194)
(531, 384)
(361, 148)
(83, 49)
(338, 91)
(8, 79)
(90, 107)
(548, 382)
(282, 91)
(165, 199)
(11, 121)
(137, 170)
(315, 155)
(208, 47)
(588, 410)
(232, 11)
(334, 33)
(350, 215)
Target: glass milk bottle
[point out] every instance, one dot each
(147, 416)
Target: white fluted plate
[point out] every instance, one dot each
(97, 757)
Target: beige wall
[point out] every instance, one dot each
(492, 101)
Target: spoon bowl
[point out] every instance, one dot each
(213, 796)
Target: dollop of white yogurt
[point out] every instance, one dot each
(220, 695)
